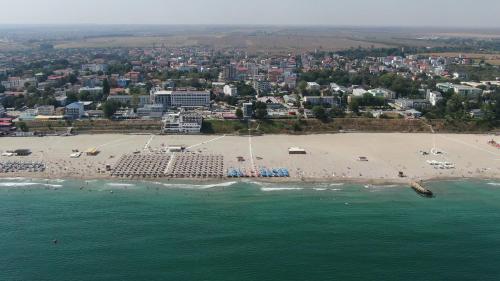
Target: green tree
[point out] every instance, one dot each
(239, 113)
(110, 107)
(260, 110)
(106, 89)
(320, 113)
(22, 126)
(71, 97)
(354, 105)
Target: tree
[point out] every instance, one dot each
(110, 107)
(71, 97)
(22, 126)
(260, 110)
(354, 105)
(239, 113)
(320, 113)
(106, 89)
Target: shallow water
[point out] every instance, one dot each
(247, 231)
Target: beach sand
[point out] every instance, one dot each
(329, 157)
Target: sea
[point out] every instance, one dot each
(112, 230)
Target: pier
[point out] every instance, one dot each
(420, 189)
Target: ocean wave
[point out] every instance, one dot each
(195, 186)
(14, 179)
(118, 184)
(371, 186)
(494, 183)
(336, 184)
(320, 189)
(25, 184)
(270, 189)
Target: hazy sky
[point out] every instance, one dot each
(460, 13)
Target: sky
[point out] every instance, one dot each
(436, 13)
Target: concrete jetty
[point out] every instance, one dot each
(420, 189)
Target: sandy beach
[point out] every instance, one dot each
(328, 158)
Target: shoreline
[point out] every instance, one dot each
(35, 177)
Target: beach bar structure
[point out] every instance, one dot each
(296, 150)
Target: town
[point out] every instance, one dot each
(183, 90)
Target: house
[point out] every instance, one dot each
(74, 110)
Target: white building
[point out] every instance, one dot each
(45, 110)
(180, 98)
(91, 90)
(359, 92)
(337, 88)
(141, 100)
(383, 93)
(182, 123)
(434, 97)
(15, 83)
(247, 110)
(150, 111)
(230, 90)
(93, 67)
(313, 86)
(462, 90)
(262, 87)
(319, 100)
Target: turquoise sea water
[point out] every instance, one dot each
(247, 231)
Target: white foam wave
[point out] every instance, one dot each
(13, 179)
(320, 189)
(25, 184)
(336, 184)
(271, 189)
(118, 184)
(195, 186)
(494, 183)
(371, 186)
